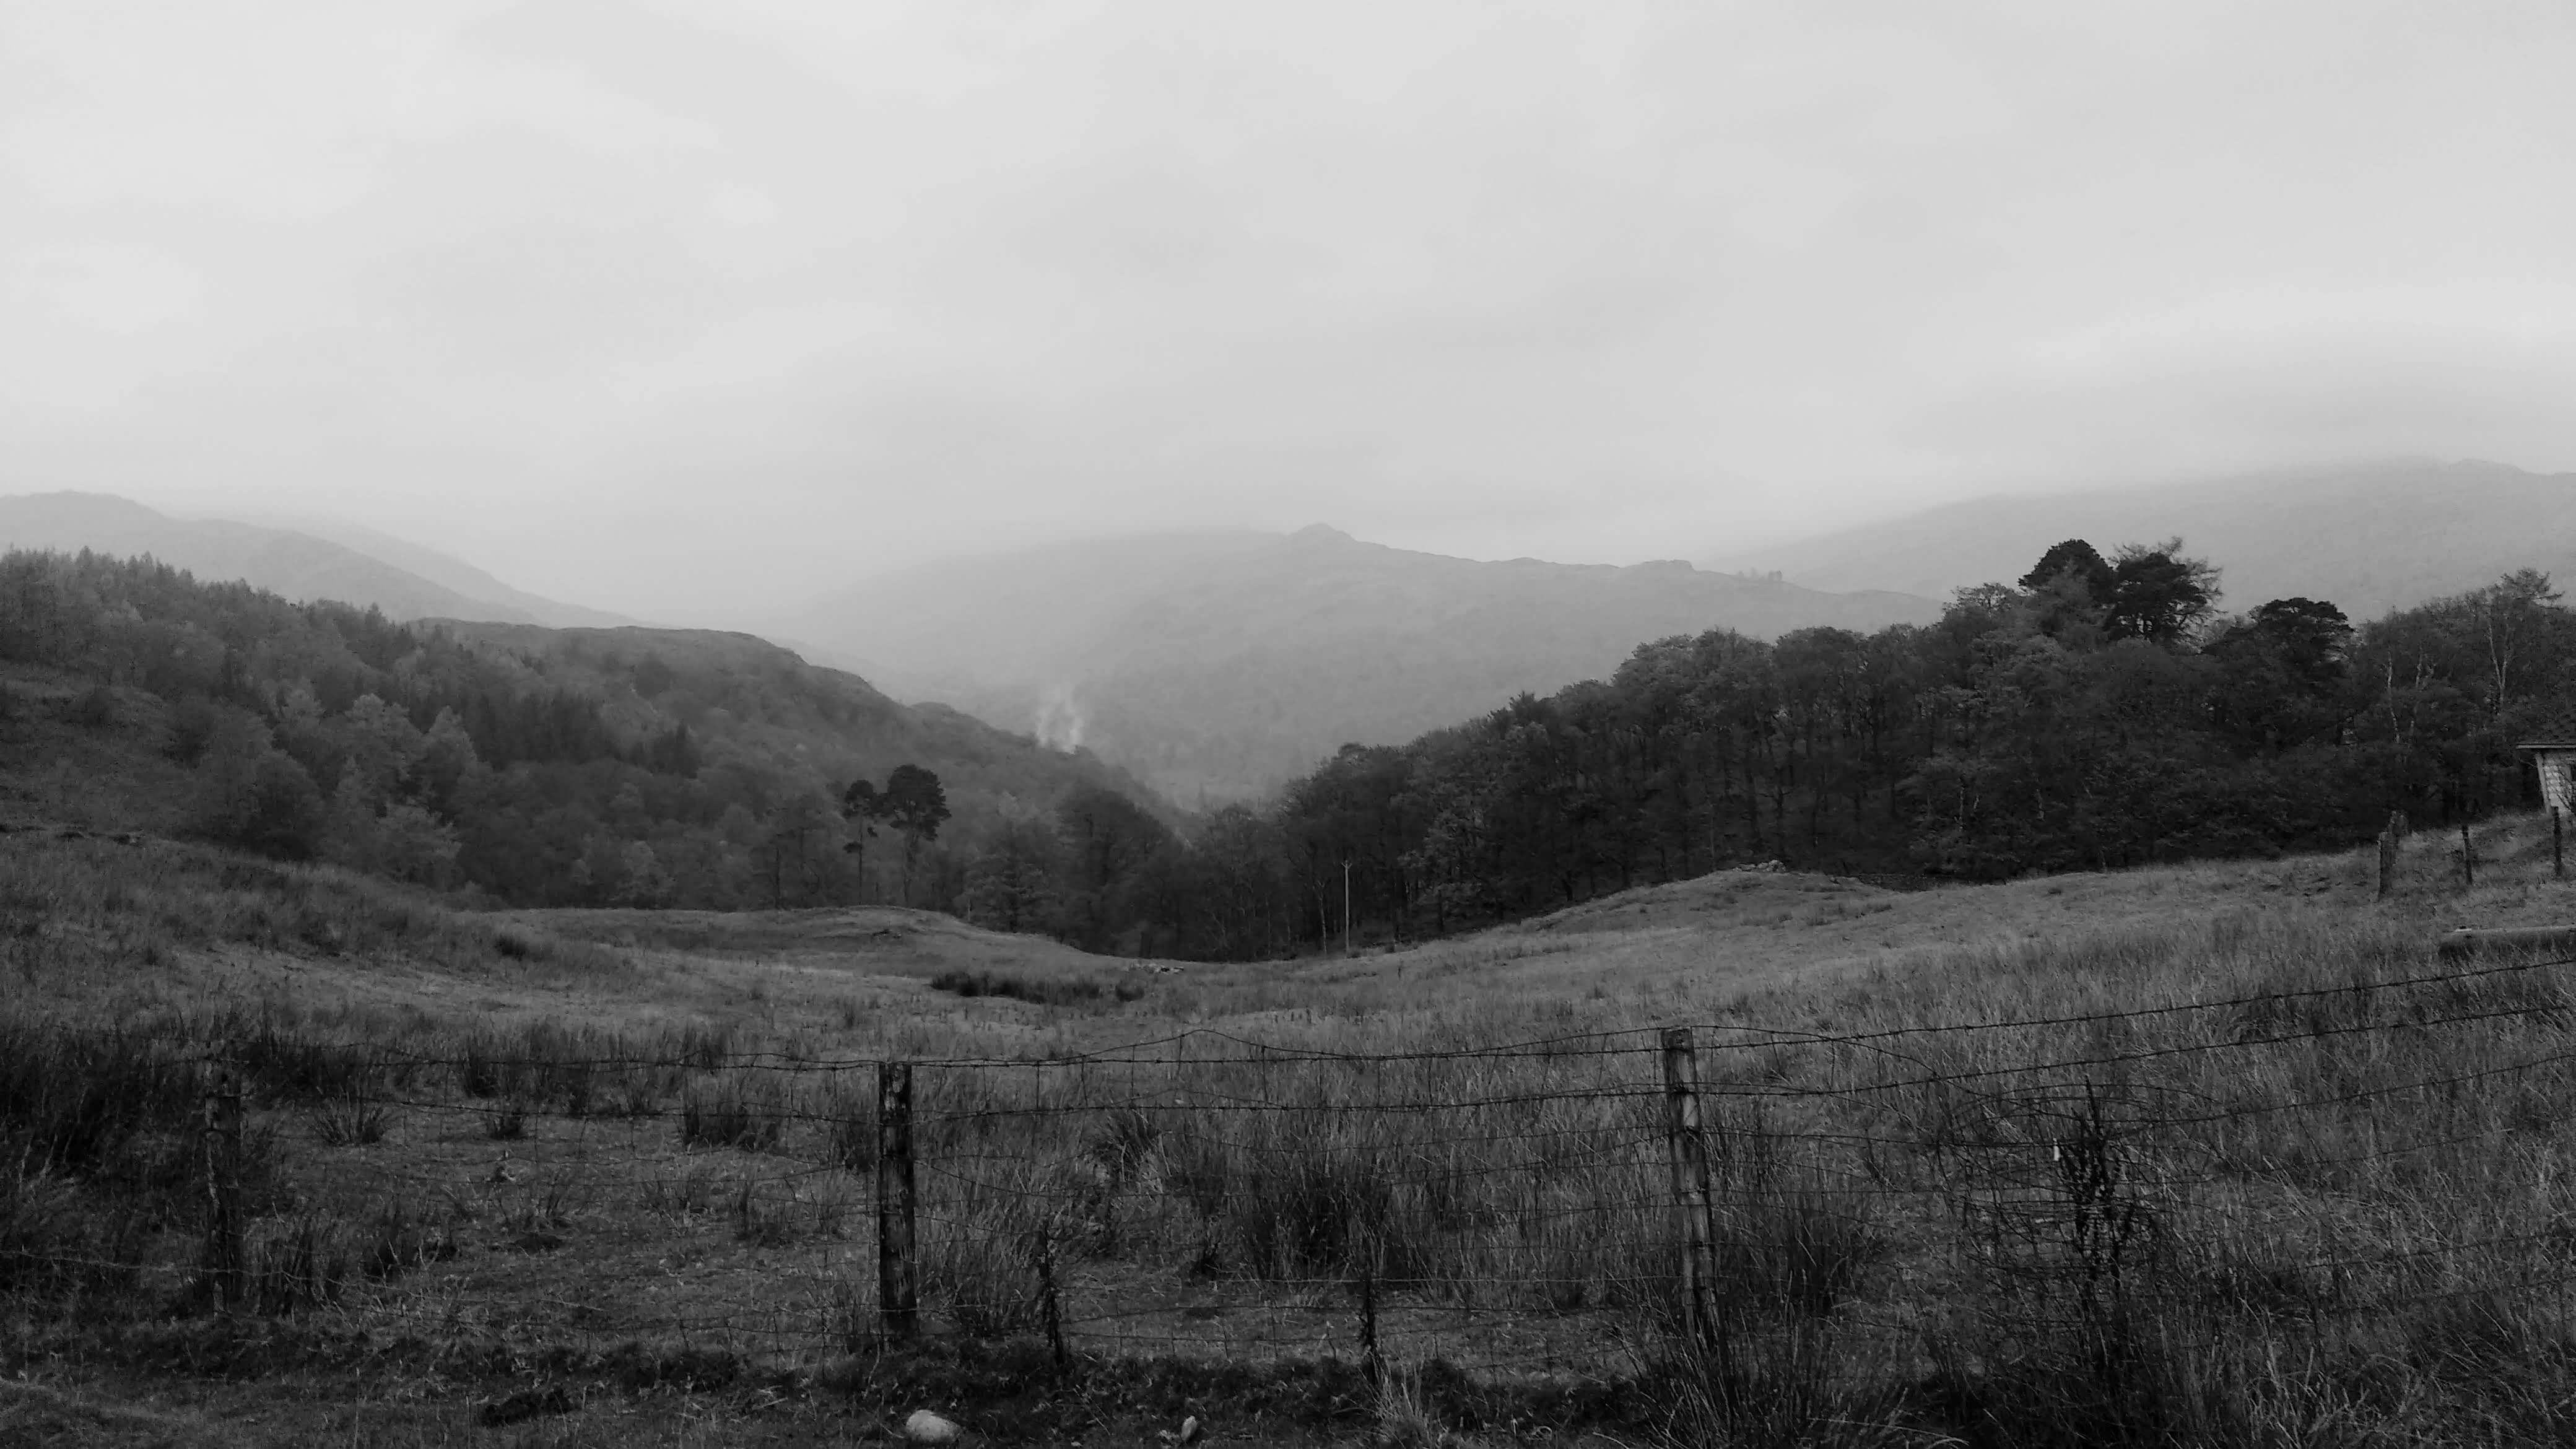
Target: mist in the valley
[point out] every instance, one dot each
(1437, 724)
(700, 312)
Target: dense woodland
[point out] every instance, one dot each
(2095, 713)
(515, 764)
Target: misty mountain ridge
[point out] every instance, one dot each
(454, 573)
(2368, 537)
(1218, 663)
(362, 567)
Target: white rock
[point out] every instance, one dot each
(1190, 1429)
(925, 1427)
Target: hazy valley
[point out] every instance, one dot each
(1543, 726)
(1219, 666)
(2035, 959)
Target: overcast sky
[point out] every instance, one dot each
(682, 306)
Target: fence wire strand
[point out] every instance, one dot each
(1511, 1207)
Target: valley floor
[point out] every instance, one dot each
(611, 1168)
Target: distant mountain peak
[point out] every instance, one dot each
(77, 505)
(1320, 533)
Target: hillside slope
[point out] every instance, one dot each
(540, 767)
(764, 701)
(2369, 538)
(1223, 663)
(365, 569)
(455, 573)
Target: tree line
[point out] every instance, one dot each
(2097, 712)
(515, 766)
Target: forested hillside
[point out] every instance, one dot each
(1220, 665)
(577, 767)
(2098, 712)
(403, 580)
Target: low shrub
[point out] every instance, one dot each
(1065, 991)
(733, 1113)
(507, 1122)
(72, 1099)
(351, 1119)
(397, 1243)
(303, 1267)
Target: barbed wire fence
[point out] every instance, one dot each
(2315, 1162)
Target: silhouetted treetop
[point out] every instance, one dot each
(2158, 595)
(2075, 558)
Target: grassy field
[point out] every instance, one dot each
(575, 1177)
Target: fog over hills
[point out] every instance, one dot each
(1218, 664)
(2368, 537)
(448, 571)
(359, 567)
(753, 701)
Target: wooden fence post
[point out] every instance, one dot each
(227, 1273)
(898, 1290)
(1369, 1358)
(2388, 858)
(2468, 856)
(1690, 1180)
(1049, 1301)
(2557, 846)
